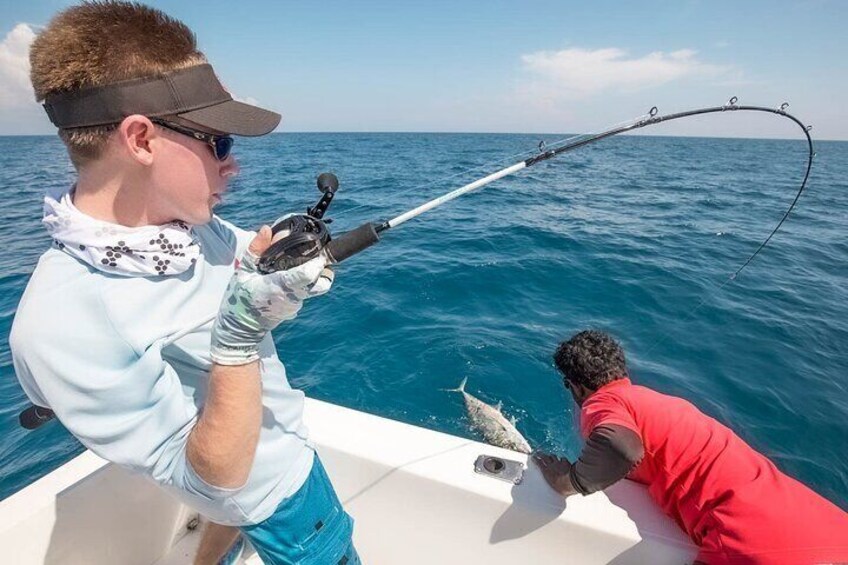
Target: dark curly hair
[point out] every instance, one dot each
(591, 358)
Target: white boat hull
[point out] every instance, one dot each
(413, 493)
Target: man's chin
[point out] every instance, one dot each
(196, 220)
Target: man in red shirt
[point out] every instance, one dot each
(731, 500)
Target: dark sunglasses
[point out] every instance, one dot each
(221, 145)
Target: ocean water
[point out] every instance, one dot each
(629, 235)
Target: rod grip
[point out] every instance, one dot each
(352, 242)
(35, 416)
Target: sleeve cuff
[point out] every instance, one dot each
(198, 486)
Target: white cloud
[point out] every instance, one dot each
(580, 72)
(15, 88)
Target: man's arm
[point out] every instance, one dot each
(610, 453)
(222, 444)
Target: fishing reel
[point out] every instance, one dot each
(301, 237)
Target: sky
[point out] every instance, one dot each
(497, 66)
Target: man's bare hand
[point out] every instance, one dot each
(556, 472)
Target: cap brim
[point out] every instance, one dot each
(235, 118)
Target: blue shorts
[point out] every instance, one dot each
(308, 528)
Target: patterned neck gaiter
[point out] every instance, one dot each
(169, 249)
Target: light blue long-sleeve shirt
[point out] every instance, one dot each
(98, 349)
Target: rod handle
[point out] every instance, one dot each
(351, 243)
(35, 417)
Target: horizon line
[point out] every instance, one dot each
(382, 132)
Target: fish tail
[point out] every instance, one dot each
(460, 388)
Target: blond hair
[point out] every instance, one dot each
(102, 42)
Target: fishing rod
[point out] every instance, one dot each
(299, 238)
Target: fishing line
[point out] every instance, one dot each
(299, 240)
(281, 255)
(710, 293)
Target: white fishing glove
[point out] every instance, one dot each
(255, 303)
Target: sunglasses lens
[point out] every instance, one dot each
(223, 146)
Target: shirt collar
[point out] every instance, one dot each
(617, 383)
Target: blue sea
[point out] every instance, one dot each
(629, 235)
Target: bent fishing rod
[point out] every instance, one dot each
(299, 238)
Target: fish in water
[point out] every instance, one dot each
(492, 423)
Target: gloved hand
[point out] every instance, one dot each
(255, 303)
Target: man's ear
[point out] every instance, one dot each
(582, 393)
(135, 134)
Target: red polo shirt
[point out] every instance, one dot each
(732, 501)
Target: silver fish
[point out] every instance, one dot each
(491, 422)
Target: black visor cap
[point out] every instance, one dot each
(194, 94)
(235, 118)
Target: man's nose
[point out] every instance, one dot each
(230, 167)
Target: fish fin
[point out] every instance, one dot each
(512, 420)
(460, 388)
(499, 405)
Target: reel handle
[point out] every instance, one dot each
(328, 184)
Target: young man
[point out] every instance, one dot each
(731, 501)
(146, 328)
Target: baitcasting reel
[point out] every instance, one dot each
(301, 237)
